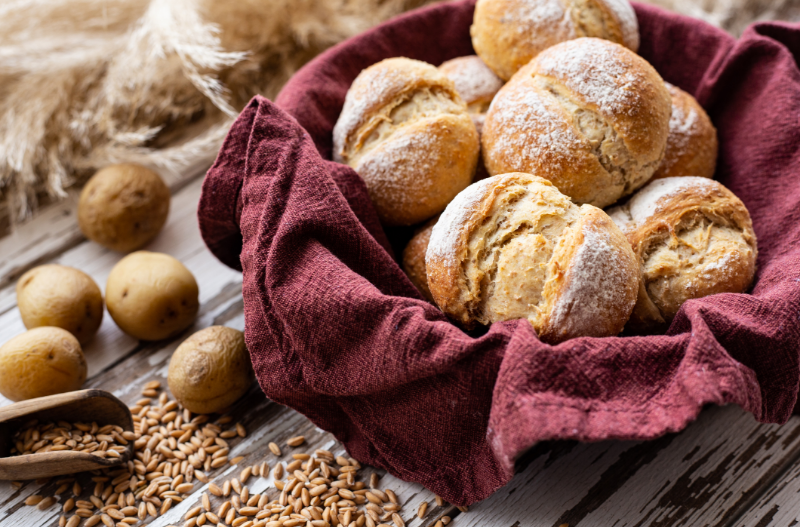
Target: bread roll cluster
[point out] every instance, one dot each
(581, 124)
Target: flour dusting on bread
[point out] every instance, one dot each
(516, 112)
(473, 79)
(597, 70)
(596, 276)
(446, 234)
(367, 92)
(545, 22)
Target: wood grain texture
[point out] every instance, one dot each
(705, 475)
(779, 506)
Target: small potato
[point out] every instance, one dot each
(210, 370)
(151, 296)
(60, 296)
(122, 207)
(41, 361)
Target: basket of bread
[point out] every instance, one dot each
(484, 225)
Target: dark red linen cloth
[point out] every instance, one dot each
(337, 331)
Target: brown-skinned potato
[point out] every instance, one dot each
(60, 296)
(41, 361)
(151, 296)
(210, 370)
(122, 207)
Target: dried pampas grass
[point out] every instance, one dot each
(86, 83)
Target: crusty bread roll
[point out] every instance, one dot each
(512, 246)
(475, 82)
(507, 34)
(692, 142)
(693, 238)
(414, 257)
(407, 133)
(477, 85)
(589, 115)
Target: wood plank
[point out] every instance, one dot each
(705, 475)
(779, 505)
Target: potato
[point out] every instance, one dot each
(210, 370)
(41, 361)
(151, 296)
(122, 207)
(60, 296)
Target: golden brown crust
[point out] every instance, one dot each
(407, 133)
(474, 81)
(414, 258)
(693, 238)
(507, 34)
(599, 285)
(589, 115)
(692, 143)
(512, 247)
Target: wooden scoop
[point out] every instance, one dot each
(81, 406)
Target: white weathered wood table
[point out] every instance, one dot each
(725, 469)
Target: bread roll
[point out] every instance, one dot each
(407, 133)
(507, 34)
(692, 141)
(693, 238)
(589, 115)
(414, 258)
(475, 82)
(512, 246)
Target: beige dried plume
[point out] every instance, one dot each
(86, 83)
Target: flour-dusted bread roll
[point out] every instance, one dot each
(512, 246)
(414, 257)
(507, 34)
(693, 238)
(475, 82)
(589, 115)
(408, 134)
(692, 142)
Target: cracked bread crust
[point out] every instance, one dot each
(408, 134)
(693, 238)
(507, 34)
(589, 115)
(512, 246)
